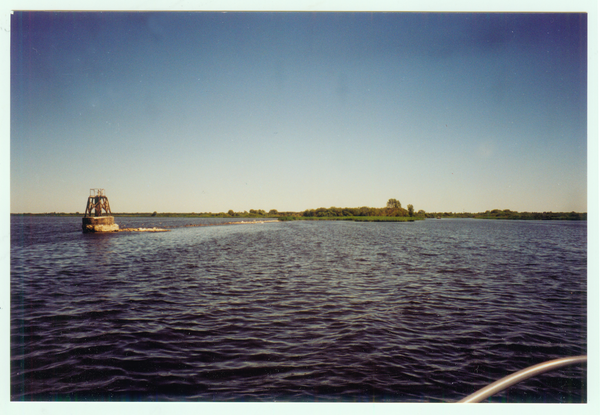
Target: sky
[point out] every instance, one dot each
(211, 111)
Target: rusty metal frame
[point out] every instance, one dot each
(97, 202)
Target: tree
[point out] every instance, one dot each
(230, 212)
(411, 210)
(363, 211)
(393, 204)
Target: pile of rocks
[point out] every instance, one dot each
(143, 230)
(99, 224)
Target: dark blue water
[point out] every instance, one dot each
(428, 311)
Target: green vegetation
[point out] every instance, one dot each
(393, 209)
(353, 218)
(392, 212)
(393, 204)
(509, 214)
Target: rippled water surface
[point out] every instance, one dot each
(427, 311)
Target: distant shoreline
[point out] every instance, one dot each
(286, 216)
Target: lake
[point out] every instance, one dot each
(299, 311)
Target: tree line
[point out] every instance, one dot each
(510, 215)
(393, 208)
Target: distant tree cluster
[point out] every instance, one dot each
(509, 214)
(393, 204)
(392, 208)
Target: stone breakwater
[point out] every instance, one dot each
(99, 224)
(142, 230)
(101, 228)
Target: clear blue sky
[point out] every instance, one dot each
(211, 111)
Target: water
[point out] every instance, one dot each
(428, 311)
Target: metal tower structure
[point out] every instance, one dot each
(97, 202)
(98, 217)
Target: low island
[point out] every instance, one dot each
(392, 212)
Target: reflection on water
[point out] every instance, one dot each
(100, 246)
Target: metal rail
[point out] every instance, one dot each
(521, 375)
